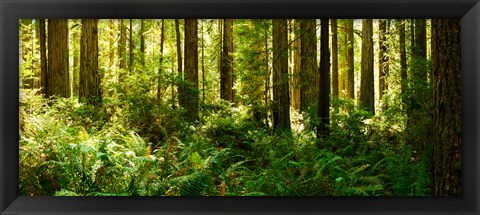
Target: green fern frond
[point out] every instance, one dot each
(356, 170)
(191, 185)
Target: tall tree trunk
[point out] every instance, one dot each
(191, 68)
(57, 75)
(367, 99)
(122, 51)
(130, 62)
(220, 50)
(334, 59)
(324, 91)
(350, 60)
(203, 63)
(403, 60)
(291, 37)
(226, 75)
(142, 41)
(181, 100)
(89, 88)
(267, 81)
(420, 42)
(43, 57)
(281, 98)
(383, 58)
(412, 36)
(160, 66)
(447, 144)
(296, 66)
(309, 68)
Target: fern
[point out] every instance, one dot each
(400, 171)
(191, 185)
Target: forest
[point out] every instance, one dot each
(239, 107)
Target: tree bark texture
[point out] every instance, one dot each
(58, 75)
(43, 57)
(367, 99)
(297, 56)
(142, 41)
(447, 144)
(334, 58)
(191, 68)
(309, 68)
(281, 98)
(383, 58)
(350, 60)
(226, 75)
(90, 80)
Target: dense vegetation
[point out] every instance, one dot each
(241, 114)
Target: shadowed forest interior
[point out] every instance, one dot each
(239, 107)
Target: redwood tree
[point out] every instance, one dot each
(281, 97)
(403, 60)
(350, 60)
(191, 68)
(367, 99)
(43, 57)
(324, 91)
(89, 87)
(383, 57)
(160, 65)
(334, 59)
(308, 65)
(142, 41)
(447, 144)
(297, 56)
(226, 72)
(57, 75)
(181, 99)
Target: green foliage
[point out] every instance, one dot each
(139, 143)
(69, 148)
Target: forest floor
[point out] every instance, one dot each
(135, 146)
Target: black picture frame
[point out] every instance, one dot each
(13, 10)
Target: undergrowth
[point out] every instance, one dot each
(135, 146)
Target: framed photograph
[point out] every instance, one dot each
(239, 107)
